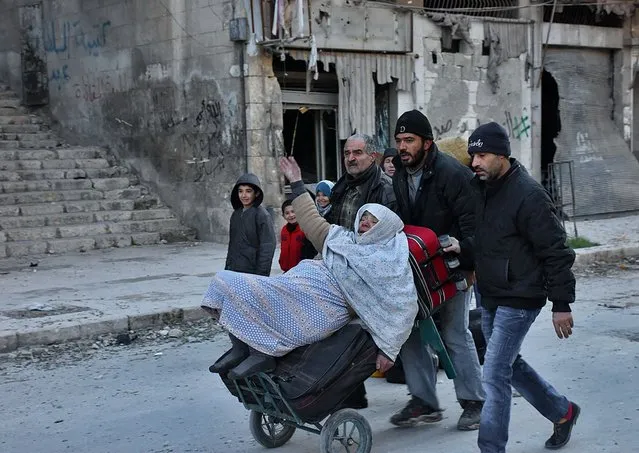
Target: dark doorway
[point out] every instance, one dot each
(311, 136)
(550, 123)
(35, 83)
(382, 115)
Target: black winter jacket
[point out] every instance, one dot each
(445, 200)
(374, 187)
(252, 237)
(521, 256)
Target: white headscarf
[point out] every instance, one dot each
(372, 271)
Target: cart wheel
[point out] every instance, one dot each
(269, 431)
(346, 431)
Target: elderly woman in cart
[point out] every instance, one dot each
(363, 273)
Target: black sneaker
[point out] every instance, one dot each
(416, 413)
(561, 431)
(469, 419)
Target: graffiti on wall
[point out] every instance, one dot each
(517, 126)
(93, 87)
(59, 76)
(208, 155)
(194, 130)
(443, 129)
(204, 145)
(209, 115)
(68, 37)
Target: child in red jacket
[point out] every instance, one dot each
(292, 239)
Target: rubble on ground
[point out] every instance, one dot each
(608, 268)
(70, 352)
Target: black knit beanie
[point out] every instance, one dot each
(414, 122)
(489, 138)
(389, 152)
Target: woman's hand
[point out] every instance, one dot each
(383, 363)
(290, 169)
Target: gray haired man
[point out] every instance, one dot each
(364, 182)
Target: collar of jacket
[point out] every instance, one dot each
(491, 188)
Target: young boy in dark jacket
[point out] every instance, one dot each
(292, 239)
(252, 237)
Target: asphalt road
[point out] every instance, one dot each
(159, 397)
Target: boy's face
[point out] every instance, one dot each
(289, 215)
(247, 195)
(322, 200)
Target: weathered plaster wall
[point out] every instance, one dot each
(453, 91)
(160, 82)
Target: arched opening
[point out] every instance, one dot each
(550, 123)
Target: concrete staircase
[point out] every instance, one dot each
(56, 198)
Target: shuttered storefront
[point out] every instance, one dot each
(606, 172)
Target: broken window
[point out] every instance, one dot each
(583, 15)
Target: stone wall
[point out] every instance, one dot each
(161, 84)
(453, 89)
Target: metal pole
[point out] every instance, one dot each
(574, 204)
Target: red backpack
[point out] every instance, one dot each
(434, 272)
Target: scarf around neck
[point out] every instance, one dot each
(323, 210)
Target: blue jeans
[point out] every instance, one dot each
(417, 360)
(505, 329)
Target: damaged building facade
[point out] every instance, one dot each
(190, 94)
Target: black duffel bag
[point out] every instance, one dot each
(316, 378)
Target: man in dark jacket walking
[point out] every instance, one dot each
(251, 234)
(364, 182)
(433, 190)
(521, 259)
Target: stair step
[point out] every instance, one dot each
(26, 137)
(19, 119)
(86, 230)
(7, 94)
(61, 173)
(68, 207)
(20, 128)
(9, 102)
(85, 152)
(37, 221)
(48, 197)
(75, 163)
(41, 185)
(26, 144)
(109, 184)
(46, 185)
(27, 154)
(47, 154)
(12, 111)
(55, 246)
(88, 165)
